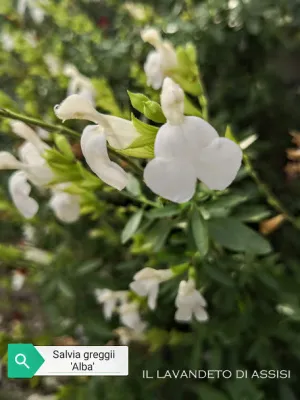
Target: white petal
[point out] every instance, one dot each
(172, 179)
(172, 101)
(139, 288)
(19, 190)
(39, 175)
(17, 281)
(77, 107)
(25, 132)
(152, 298)
(21, 7)
(170, 143)
(37, 14)
(183, 314)
(200, 314)
(93, 145)
(168, 56)
(109, 307)
(66, 207)
(153, 70)
(8, 161)
(199, 299)
(29, 154)
(145, 273)
(121, 133)
(219, 163)
(151, 35)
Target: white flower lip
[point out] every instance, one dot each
(146, 283)
(189, 303)
(188, 149)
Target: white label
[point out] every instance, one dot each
(83, 360)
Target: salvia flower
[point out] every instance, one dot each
(189, 303)
(160, 60)
(31, 167)
(110, 299)
(187, 149)
(146, 283)
(130, 316)
(127, 335)
(65, 206)
(119, 133)
(18, 279)
(79, 84)
(36, 12)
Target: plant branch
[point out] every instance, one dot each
(34, 121)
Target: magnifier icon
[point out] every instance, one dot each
(20, 359)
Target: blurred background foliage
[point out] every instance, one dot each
(249, 58)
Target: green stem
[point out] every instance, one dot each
(34, 121)
(270, 197)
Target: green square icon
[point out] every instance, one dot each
(23, 360)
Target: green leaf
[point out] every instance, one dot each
(199, 231)
(218, 275)
(132, 226)
(229, 134)
(88, 267)
(234, 235)
(153, 111)
(168, 211)
(133, 185)
(137, 101)
(252, 214)
(64, 146)
(143, 146)
(190, 109)
(159, 233)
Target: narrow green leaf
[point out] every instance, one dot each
(234, 235)
(200, 232)
(131, 227)
(159, 234)
(168, 211)
(190, 109)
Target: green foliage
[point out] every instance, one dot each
(250, 284)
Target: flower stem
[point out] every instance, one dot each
(34, 121)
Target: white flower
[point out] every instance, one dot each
(7, 41)
(160, 61)
(146, 283)
(37, 255)
(36, 12)
(187, 149)
(127, 335)
(65, 206)
(41, 397)
(190, 302)
(110, 299)
(17, 281)
(31, 167)
(52, 63)
(130, 317)
(79, 84)
(43, 134)
(119, 133)
(29, 233)
(19, 190)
